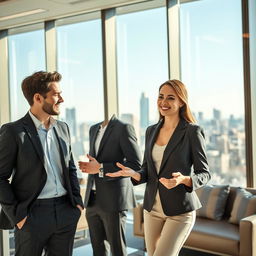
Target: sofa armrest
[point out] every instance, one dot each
(138, 221)
(247, 230)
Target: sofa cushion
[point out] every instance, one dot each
(213, 199)
(215, 236)
(244, 205)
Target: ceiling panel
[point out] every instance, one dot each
(52, 9)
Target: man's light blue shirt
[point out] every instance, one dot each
(54, 186)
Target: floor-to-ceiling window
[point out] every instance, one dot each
(79, 51)
(26, 56)
(212, 69)
(142, 67)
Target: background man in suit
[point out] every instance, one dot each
(43, 198)
(108, 199)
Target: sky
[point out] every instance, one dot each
(211, 60)
(211, 53)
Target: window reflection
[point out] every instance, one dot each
(80, 63)
(26, 56)
(142, 67)
(212, 68)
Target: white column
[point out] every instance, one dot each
(108, 19)
(4, 79)
(173, 26)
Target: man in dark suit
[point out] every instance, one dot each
(39, 189)
(107, 199)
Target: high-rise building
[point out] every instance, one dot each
(200, 116)
(216, 114)
(144, 111)
(129, 118)
(84, 131)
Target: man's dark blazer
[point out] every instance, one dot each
(186, 148)
(22, 157)
(118, 144)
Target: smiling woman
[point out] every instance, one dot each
(168, 101)
(176, 96)
(172, 147)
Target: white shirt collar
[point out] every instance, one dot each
(38, 124)
(103, 128)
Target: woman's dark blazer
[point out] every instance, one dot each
(186, 148)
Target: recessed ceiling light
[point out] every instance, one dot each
(22, 14)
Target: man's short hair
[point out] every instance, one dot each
(40, 83)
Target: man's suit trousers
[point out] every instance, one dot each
(106, 226)
(50, 225)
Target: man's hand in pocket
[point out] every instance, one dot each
(21, 223)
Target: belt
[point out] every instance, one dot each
(52, 201)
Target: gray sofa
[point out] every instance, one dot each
(217, 237)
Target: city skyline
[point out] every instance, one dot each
(211, 67)
(224, 137)
(143, 119)
(82, 69)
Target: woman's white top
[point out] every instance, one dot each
(157, 156)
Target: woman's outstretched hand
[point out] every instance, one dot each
(124, 172)
(177, 179)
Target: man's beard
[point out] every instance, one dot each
(48, 108)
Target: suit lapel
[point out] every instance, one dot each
(106, 134)
(33, 135)
(63, 148)
(92, 153)
(92, 140)
(173, 142)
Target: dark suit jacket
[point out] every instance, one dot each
(186, 148)
(21, 155)
(119, 144)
